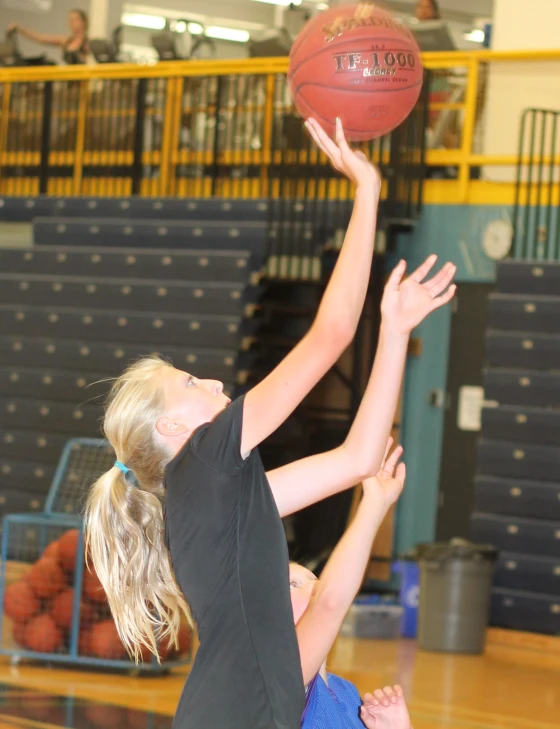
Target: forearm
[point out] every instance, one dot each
(343, 574)
(39, 37)
(340, 582)
(30, 34)
(345, 294)
(367, 437)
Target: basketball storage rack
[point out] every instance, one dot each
(25, 538)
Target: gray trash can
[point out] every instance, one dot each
(455, 584)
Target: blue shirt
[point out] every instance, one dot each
(332, 706)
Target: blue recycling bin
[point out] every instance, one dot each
(409, 595)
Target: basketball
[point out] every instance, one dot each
(165, 650)
(185, 637)
(93, 588)
(84, 641)
(51, 550)
(67, 549)
(105, 641)
(20, 602)
(18, 633)
(46, 577)
(62, 609)
(358, 63)
(43, 635)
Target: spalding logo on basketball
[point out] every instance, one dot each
(359, 63)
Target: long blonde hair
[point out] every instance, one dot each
(124, 525)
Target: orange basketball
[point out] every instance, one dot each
(93, 588)
(67, 549)
(62, 609)
(84, 641)
(146, 654)
(165, 650)
(359, 63)
(185, 637)
(43, 635)
(51, 550)
(46, 577)
(105, 641)
(20, 602)
(168, 651)
(18, 633)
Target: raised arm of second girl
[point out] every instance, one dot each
(405, 304)
(270, 402)
(343, 574)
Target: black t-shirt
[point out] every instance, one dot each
(230, 558)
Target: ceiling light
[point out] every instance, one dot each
(180, 26)
(228, 34)
(138, 20)
(195, 28)
(476, 36)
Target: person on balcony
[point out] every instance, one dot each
(427, 10)
(74, 45)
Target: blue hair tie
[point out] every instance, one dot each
(129, 476)
(122, 467)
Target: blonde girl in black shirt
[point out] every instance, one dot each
(188, 515)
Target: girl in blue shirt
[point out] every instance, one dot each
(320, 607)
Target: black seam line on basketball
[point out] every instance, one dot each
(355, 89)
(346, 127)
(330, 48)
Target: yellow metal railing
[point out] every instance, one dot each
(476, 101)
(201, 119)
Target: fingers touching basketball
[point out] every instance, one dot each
(317, 135)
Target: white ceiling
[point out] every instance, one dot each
(258, 18)
(263, 14)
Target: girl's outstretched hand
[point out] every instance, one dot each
(385, 708)
(354, 164)
(388, 484)
(406, 303)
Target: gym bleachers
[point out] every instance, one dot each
(147, 233)
(316, 212)
(26, 209)
(90, 296)
(517, 493)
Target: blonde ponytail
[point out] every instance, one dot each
(124, 524)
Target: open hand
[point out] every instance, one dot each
(388, 483)
(354, 164)
(406, 303)
(385, 709)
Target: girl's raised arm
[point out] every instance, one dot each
(45, 38)
(405, 304)
(268, 404)
(343, 574)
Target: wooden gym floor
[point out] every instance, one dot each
(515, 685)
